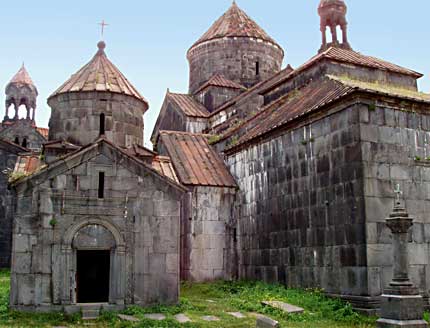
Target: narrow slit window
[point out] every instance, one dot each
(17, 140)
(24, 143)
(101, 185)
(257, 68)
(102, 124)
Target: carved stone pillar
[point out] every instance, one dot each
(402, 305)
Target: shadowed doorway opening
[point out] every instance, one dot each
(92, 276)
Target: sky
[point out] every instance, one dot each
(148, 40)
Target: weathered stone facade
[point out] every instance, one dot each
(23, 133)
(236, 59)
(302, 219)
(208, 241)
(8, 156)
(76, 118)
(137, 221)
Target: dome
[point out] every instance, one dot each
(99, 75)
(22, 79)
(235, 23)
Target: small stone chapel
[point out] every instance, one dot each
(93, 222)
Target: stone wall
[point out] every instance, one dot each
(175, 120)
(141, 212)
(396, 149)
(76, 118)
(208, 240)
(20, 130)
(7, 161)
(213, 97)
(302, 218)
(236, 59)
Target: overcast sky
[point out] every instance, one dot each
(148, 40)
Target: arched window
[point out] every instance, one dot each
(102, 124)
(24, 142)
(16, 140)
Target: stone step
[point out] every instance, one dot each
(287, 308)
(90, 314)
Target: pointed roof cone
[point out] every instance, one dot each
(235, 23)
(99, 75)
(22, 78)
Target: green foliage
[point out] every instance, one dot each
(53, 222)
(371, 107)
(304, 142)
(233, 141)
(215, 299)
(214, 139)
(417, 158)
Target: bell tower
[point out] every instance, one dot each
(333, 14)
(21, 91)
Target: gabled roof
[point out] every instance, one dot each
(221, 81)
(44, 132)
(348, 57)
(27, 164)
(196, 163)
(101, 146)
(188, 105)
(140, 151)
(60, 144)
(164, 166)
(12, 147)
(235, 23)
(311, 98)
(99, 75)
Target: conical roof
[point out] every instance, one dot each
(235, 23)
(22, 78)
(99, 75)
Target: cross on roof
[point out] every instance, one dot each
(103, 24)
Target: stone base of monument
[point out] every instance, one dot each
(401, 311)
(386, 323)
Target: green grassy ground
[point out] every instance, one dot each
(216, 299)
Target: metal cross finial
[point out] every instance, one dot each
(398, 192)
(103, 25)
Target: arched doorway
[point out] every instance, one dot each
(94, 245)
(101, 239)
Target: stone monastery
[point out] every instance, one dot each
(258, 172)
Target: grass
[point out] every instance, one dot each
(216, 299)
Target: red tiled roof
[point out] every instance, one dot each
(188, 105)
(164, 166)
(302, 101)
(60, 144)
(99, 75)
(22, 77)
(27, 164)
(219, 80)
(195, 161)
(349, 57)
(235, 23)
(44, 132)
(309, 99)
(140, 151)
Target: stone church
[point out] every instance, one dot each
(258, 172)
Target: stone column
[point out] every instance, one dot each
(402, 305)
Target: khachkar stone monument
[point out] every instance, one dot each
(402, 305)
